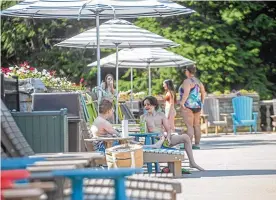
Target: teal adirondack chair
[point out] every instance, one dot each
(243, 113)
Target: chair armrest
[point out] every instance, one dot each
(255, 115)
(224, 115)
(204, 118)
(233, 115)
(204, 115)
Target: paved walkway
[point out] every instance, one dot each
(238, 168)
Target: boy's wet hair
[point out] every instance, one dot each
(105, 106)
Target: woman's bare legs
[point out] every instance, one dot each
(197, 130)
(171, 122)
(188, 117)
(178, 139)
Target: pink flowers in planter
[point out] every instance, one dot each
(24, 71)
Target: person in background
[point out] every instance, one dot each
(156, 122)
(108, 87)
(192, 94)
(108, 92)
(170, 100)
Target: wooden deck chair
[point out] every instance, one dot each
(13, 142)
(212, 116)
(127, 113)
(91, 108)
(274, 115)
(85, 109)
(243, 113)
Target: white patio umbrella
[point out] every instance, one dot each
(104, 9)
(117, 33)
(144, 58)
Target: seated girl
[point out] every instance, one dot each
(156, 122)
(103, 128)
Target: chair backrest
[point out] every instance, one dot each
(126, 111)
(243, 107)
(211, 108)
(274, 106)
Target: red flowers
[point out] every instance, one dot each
(5, 70)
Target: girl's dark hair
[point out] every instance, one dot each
(105, 106)
(153, 101)
(105, 79)
(171, 89)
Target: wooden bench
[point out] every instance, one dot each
(174, 158)
(48, 187)
(22, 194)
(91, 157)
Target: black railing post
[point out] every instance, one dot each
(2, 87)
(17, 94)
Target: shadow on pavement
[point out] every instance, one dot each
(225, 173)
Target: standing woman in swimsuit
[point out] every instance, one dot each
(192, 96)
(170, 100)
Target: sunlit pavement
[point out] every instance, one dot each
(237, 168)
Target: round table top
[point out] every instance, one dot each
(143, 134)
(108, 139)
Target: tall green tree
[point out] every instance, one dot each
(229, 42)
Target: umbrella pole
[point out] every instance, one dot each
(117, 84)
(131, 88)
(149, 80)
(98, 57)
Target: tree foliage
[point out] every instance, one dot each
(33, 40)
(231, 42)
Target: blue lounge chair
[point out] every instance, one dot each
(243, 113)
